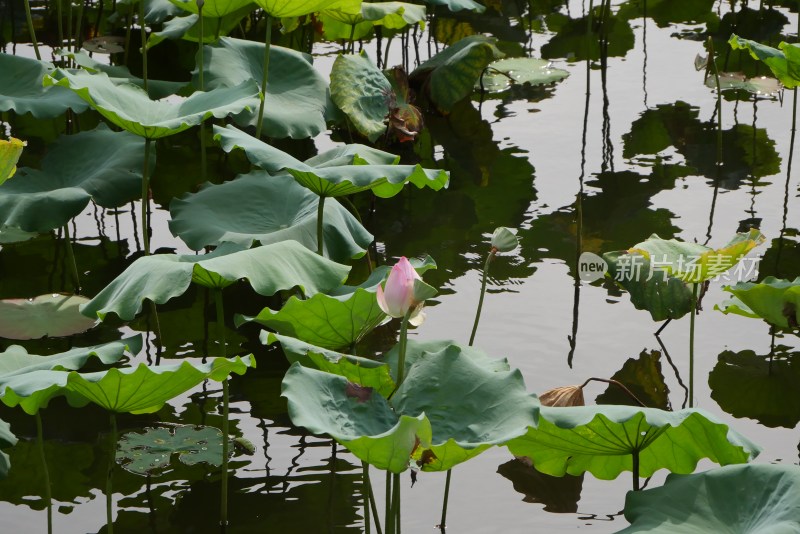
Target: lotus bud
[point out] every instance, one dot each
(504, 240)
(563, 396)
(404, 292)
(10, 151)
(200, 3)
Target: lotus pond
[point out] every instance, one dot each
(212, 296)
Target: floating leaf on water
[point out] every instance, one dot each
(760, 85)
(784, 61)
(500, 74)
(144, 454)
(105, 44)
(51, 315)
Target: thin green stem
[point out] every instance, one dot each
(144, 43)
(200, 66)
(396, 502)
(388, 520)
(712, 62)
(320, 226)
(154, 313)
(365, 495)
(127, 35)
(71, 260)
(31, 31)
(691, 344)
(60, 23)
(47, 491)
(109, 488)
(146, 196)
(489, 259)
(443, 522)
(265, 76)
(373, 506)
(635, 470)
(77, 38)
(223, 512)
(401, 360)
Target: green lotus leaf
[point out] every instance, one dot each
(500, 74)
(156, 89)
(760, 85)
(98, 165)
(21, 89)
(151, 452)
(664, 296)
(763, 388)
(296, 8)
(266, 209)
(323, 320)
(362, 371)
(695, 263)
(356, 22)
(10, 152)
(129, 107)
(457, 5)
(188, 27)
(331, 181)
(7, 439)
(450, 75)
(296, 101)
(603, 440)
(416, 350)
(16, 360)
(213, 8)
(784, 63)
(51, 315)
(746, 499)
(456, 406)
(145, 389)
(268, 269)
(772, 299)
(363, 92)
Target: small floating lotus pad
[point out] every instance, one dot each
(501, 74)
(52, 315)
(741, 499)
(145, 454)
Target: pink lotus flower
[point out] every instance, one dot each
(397, 298)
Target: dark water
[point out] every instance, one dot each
(641, 160)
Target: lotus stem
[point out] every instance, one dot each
(443, 522)
(157, 331)
(60, 23)
(71, 260)
(109, 488)
(265, 76)
(320, 226)
(489, 259)
(619, 385)
(201, 53)
(388, 519)
(635, 470)
(127, 35)
(401, 361)
(371, 498)
(713, 62)
(77, 38)
(47, 491)
(223, 512)
(144, 43)
(31, 31)
(146, 195)
(366, 497)
(396, 503)
(691, 345)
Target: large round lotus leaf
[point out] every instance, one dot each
(323, 320)
(7, 439)
(355, 21)
(21, 89)
(784, 63)
(188, 27)
(664, 296)
(500, 74)
(740, 499)
(99, 165)
(296, 101)
(51, 315)
(363, 92)
(213, 8)
(140, 389)
(416, 349)
(602, 440)
(362, 371)
(451, 74)
(468, 407)
(259, 208)
(129, 107)
(355, 416)
(268, 269)
(10, 152)
(151, 452)
(745, 384)
(772, 299)
(332, 181)
(695, 263)
(297, 8)
(17, 361)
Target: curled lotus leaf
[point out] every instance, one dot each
(151, 452)
(773, 300)
(265, 209)
(21, 89)
(10, 152)
(604, 439)
(746, 499)
(268, 269)
(784, 61)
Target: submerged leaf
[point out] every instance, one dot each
(151, 452)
